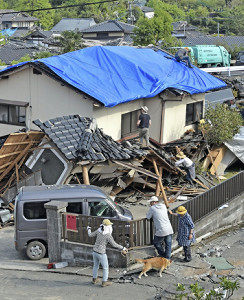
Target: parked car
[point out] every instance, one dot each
(240, 59)
(30, 214)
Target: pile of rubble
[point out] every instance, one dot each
(73, 150)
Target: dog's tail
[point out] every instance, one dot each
(140, 260)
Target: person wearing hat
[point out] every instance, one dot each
(182, 55)
(163, 229)
(185, 235)
(103, 237)
(188, 165)
(143, 124)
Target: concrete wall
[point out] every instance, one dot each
(220, 218)
(47, 98)
(81, 254)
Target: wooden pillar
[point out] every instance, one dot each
(157, 193)
(85, 175)
(160, 183)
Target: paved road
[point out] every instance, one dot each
(24, 279)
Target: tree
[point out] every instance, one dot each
(221, 123)
(42, 54)
(45, 17)
(3, 4)
(70, 41)
(22, 59)
(176, 13)
(151, 31)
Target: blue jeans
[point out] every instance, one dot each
(157, 242)
(97, 260)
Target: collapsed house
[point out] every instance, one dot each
(75, 150)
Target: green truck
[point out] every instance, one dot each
(209, 56)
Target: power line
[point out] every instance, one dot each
(56, 7)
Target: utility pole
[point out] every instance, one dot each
(130, 17)
(218, 29)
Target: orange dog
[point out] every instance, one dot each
(157, 263)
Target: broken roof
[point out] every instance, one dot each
(119, 74)
(236, 144)
(78, 138)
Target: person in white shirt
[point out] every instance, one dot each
(188, 165)
(163, 229)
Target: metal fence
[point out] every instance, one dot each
(140, 232)
(211, 200)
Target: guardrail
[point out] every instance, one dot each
(223, 69)
(140, 232)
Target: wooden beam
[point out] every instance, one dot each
(10, 154)
(85, 175)
(157, 193)
(199, 182)
(20, 143)
(17, 171)
(5, 165)
(22, 153)
(116, 189)
(160, 183)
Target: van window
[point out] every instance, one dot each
(74, 207)
(34, 210)
(101, 209)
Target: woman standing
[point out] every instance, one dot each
(104, 236)
(185, 234)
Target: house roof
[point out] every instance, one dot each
(236, 144)
(72, 24)
(146, 9)
(231, 41)
(110, 26)
(119, 74)
(38, 34)
(16, 50)
(79, 138)
(9, 15)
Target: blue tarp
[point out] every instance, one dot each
(8, 31)
(118, 74)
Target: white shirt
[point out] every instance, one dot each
(186, 162)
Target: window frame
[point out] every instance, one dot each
(193, 117)
(19, 115)
(132, 123)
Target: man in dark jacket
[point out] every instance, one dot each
(143, 124)
(182, 55)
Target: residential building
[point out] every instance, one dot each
(109, 30)
(73, 24)
(12, 19)
(110, 84)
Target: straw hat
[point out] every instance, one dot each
(144, 108)
(181, 210)
(180, 155)
(107, 222)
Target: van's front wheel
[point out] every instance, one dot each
(36, 250)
